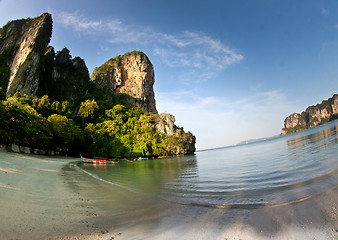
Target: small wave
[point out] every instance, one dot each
(253, 205)
(286, 171)
(182, 199)
(108, 182)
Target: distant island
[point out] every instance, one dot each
(248, 141)
(49, 103)
(312, 116)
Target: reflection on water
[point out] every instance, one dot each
(146, 177)
(277, 171)
(321, 136)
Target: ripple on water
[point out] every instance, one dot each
(278, 171)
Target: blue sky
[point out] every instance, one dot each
(228, 70)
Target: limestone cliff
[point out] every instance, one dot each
(64, 77)
(312, 116)
(26, 40)
(29, 66)
(132, 74)
(165, 123)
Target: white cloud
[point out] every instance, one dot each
(77, 23)
(196, 50)
(187, 49)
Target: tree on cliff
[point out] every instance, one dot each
(87, 109)
(121, 131)
(117, 105)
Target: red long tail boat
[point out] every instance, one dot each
(98, 160)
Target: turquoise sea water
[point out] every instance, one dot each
(278, 171)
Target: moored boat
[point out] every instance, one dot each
(140, 158)
(98, 160)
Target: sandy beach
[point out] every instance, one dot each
(39, 202)
(51, 198)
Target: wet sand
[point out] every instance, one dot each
(39, 201)
(50, 198)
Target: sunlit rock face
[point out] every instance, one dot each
(29, 66)
(312, 116)
(24, 43)
(132, 74)
(165, 123)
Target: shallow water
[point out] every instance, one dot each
(277, 171)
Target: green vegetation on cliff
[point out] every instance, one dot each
(66, 111)
(99, 127)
